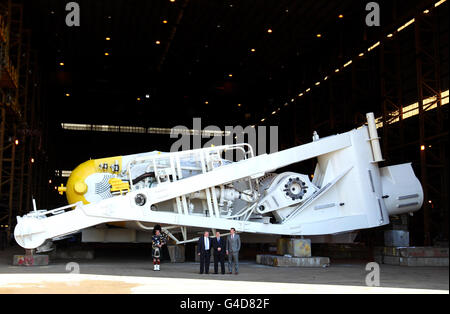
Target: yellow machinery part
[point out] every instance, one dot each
(62, 189)
(118, 185)
(76, 185)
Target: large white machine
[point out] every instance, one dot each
(201, 189)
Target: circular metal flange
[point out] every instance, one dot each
(140, 199)
(295, 189)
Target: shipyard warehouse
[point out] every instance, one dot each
(285, 146)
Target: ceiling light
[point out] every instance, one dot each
(426, 11)
(373, 46)
(361, 54)
(406, 25)
(439, 3)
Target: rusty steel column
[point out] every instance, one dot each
(441, 156)
(432, 137)
(423, 157)
(2, 143)
(11, 183)
(23, 98)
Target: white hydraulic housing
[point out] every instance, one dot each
(201, 189)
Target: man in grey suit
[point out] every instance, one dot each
(233, 246)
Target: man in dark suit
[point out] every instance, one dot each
(204, 251)
(218, 245)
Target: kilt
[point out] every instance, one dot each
(156, 252)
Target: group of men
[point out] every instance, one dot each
(219, 247)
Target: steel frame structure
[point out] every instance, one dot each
(433, 137)
(397, 84)
(18, 86)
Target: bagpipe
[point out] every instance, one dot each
(162, 239)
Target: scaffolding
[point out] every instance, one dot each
(433, 137)
(18, 129)
(403, 78)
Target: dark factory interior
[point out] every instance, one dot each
(131, 70)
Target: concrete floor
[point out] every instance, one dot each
(136, 275)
